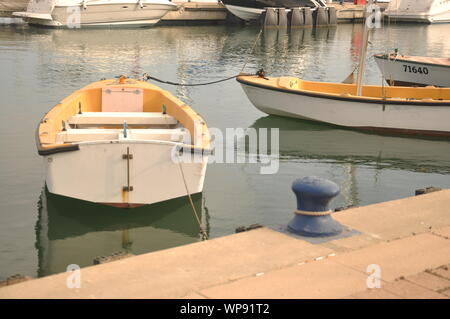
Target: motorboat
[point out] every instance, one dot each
(83, 13)
(249, 10)
(422, 11)
(419, 111)
(124, 143)
(402, 70)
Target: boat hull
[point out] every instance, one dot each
(245, 13)
(419, 11)
(151, 174)
(249, 10)
(443, 17)
(409, 73)
(395, 117)
(119, 14)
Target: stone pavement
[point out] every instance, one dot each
(406, 242)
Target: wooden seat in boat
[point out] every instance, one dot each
(84, 135)
(117, 118)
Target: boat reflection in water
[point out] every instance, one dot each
(308, 140)
(70, 231)
(358, 161)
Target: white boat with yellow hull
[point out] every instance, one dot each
(423, 111)
(117, 142)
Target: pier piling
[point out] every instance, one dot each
(320, 17)
(332, 16)
(308, 20)
(296, 17)
(282, 18)
(270, 17)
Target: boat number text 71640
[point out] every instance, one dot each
(413, 69)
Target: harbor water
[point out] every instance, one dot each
(41, 234)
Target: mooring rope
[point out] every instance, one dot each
(149, 77)
(308, 213)
(146, 76)
(253, 49)
(201, 230)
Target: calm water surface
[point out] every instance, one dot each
(41, 234)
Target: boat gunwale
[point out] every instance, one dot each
(53, 148)
(353, 98)
(387, 58)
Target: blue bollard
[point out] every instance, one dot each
(312, 217)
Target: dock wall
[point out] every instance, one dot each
(408, 239)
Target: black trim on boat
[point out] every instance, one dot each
(58, 149)
(341, 98)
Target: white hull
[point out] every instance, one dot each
(421, 18)
(153, 176)
(413, 73)
(96, 13)
(422, 11)
(428, 119)
(244, 13)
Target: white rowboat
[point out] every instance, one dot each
(422, 111)
(114, 142)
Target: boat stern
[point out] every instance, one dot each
(38, 12)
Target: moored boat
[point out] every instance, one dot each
(118, 142)
(249, 10)
(403, 70)
(82, 13)
(422, 111)
(412, 110)
(421, 11)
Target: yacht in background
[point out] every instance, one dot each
(424, 11)
(77, 13)
(251, 9)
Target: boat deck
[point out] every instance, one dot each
(95, 126)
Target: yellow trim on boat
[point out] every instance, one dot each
(90, 99)
(429, 95)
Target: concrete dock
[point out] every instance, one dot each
(408, 240)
